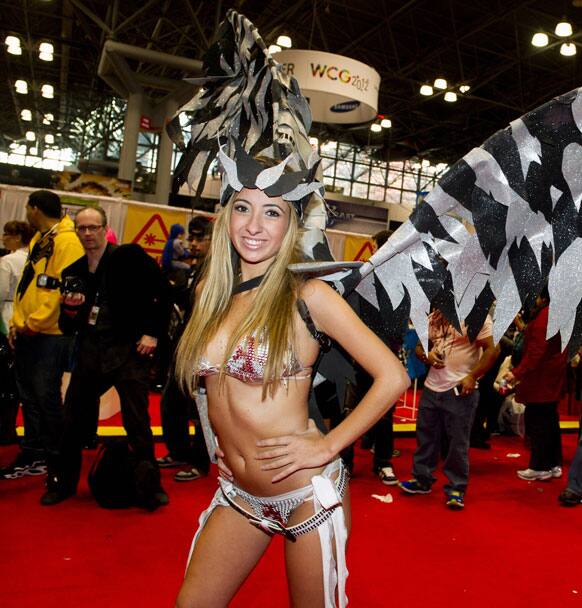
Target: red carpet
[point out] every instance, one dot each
(512, 546)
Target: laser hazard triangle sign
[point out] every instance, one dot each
(358, 249)
(151, 228)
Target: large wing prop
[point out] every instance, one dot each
(502, 223)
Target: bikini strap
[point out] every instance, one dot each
(323, 339)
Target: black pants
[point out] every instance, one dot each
(177, 409)
(40, 361)
(90, 379)
(542, 426)
(9, 400)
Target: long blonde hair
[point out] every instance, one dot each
(270, 318)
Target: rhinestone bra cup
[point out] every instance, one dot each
(247, 363)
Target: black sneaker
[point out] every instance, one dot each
(22, 466)
(387, 477)
(191, 474)
(413, 487)
(455, 500)
(54, 497)
(167, 462)
(569, 498)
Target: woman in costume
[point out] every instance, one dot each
(501, 223)
(253, 336)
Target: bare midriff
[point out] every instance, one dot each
(240, 418)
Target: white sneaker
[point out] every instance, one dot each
(387, 477)
(556, 472)
(531, 475)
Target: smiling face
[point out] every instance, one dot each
(257, 227)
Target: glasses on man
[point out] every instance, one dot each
(89, 228)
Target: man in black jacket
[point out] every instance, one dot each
(115, 300)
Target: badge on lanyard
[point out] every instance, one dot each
(93, 315)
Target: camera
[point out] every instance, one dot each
(67, 285)
(72, 285)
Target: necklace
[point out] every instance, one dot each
(246, 285)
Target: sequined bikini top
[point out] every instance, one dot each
(247, 363)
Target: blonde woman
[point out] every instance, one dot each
(255, 350)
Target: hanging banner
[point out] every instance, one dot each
(357, 249)
(87, 183)
(340, 89)
(151, 229)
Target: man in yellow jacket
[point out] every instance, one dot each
(41, 351)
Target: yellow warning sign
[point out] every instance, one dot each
(358, 249)
(151, 229)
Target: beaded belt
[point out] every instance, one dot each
(272, 526)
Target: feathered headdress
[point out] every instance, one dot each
(247, 107)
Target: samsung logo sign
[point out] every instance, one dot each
(346, 106)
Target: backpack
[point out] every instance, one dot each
(111, 476)
(118, 480)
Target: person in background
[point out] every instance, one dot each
(176, 407)
(199, 231)
(381, 435)
(540, 383)
(571, 496)
(448, 404)
(111, 236)
(16, 238)
(174, 255)
(41, 352)
(115, 300)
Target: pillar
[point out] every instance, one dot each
(127, 158)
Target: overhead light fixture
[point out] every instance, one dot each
(12, 41)
(440, 83)
(48, 118)
(49, 138)
(274, 48)
(285, 42)
(26, 115)
(426, 89)
(563, 29)
(48, 91)
(13, 45)
(385, 123)
(540, 39)
(21, 86)
(30, 136)
(314, 141)
(46, 51)
(450, 96)
(464, 88)
(568, 49)
(375, 127)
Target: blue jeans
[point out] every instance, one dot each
(575, 474)
(444, 417)
(40, 362)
